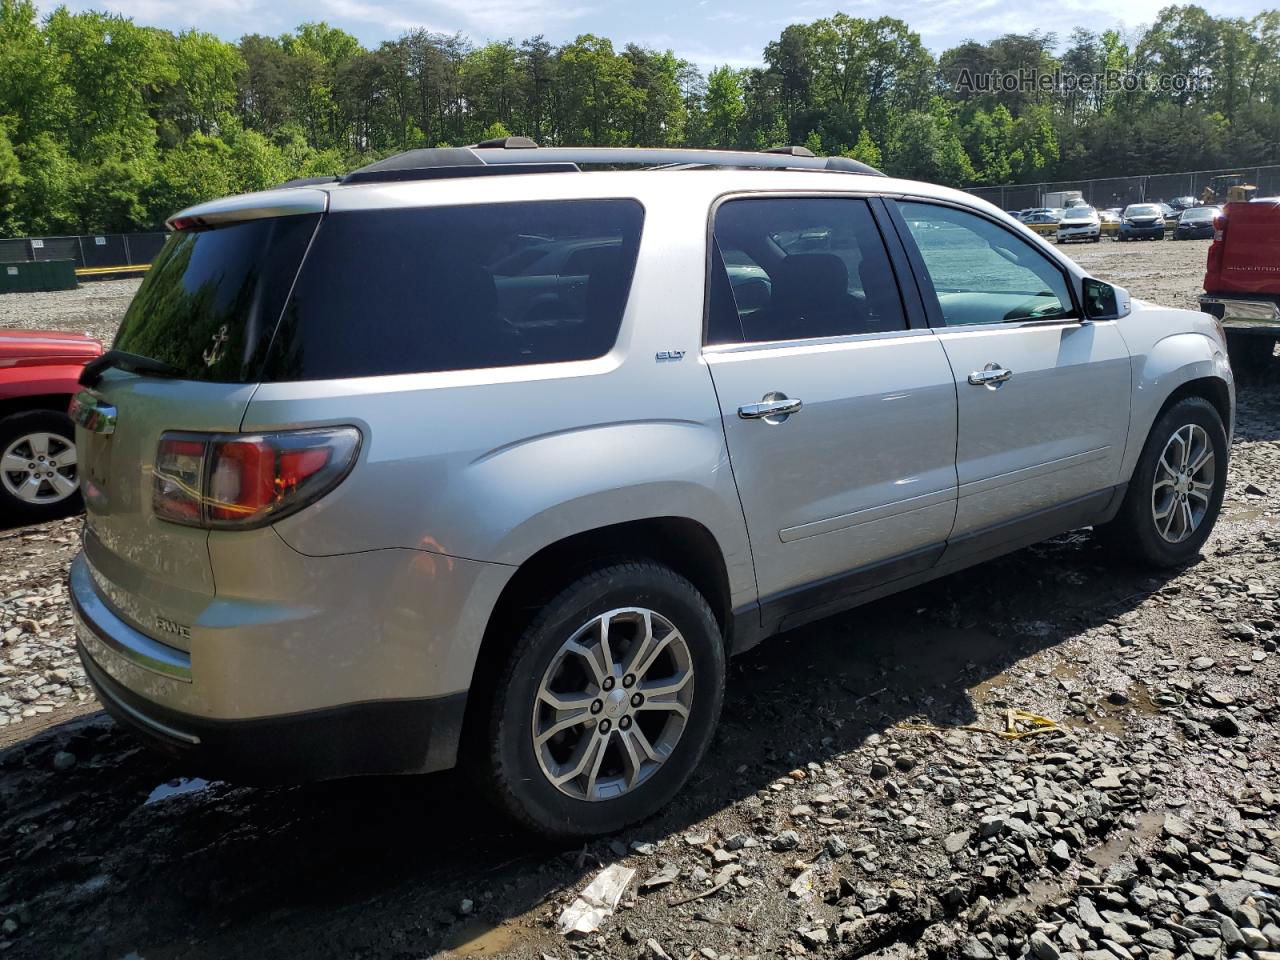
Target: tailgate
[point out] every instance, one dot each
(1251, 249)
(157, 575)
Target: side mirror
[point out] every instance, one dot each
(1102, 301)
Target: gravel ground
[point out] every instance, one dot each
(859, 800)
(92, 308)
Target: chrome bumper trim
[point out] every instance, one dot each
(1244, 313)
(98, 620)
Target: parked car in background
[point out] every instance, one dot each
(1196, 223)
(1183, 203)
(1168, 211)
(445, 531)
(1042, 215)
(1242, 282)
(1079, 223)
(1141, 221)
(39, 473)
(1109, 216)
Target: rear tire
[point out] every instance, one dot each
(635, 739)
(1168, 513)
(32, 443)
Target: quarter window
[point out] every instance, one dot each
(981, 272)
(457, 288)
(799, 268)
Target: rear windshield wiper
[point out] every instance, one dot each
(95, 368)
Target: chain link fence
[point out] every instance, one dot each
(100, 250)
(1122, 191)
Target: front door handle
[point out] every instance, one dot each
(774, 407)
(992, 375)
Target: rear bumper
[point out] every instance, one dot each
(274, 701)
(386, 737)
(1244, 312)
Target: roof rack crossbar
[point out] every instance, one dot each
(425, 164)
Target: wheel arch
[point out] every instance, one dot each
(681, 543)
(55, 402)
(1188, 363)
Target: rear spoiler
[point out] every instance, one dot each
(289, 202)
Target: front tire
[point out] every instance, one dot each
(607, 702)
(39, 479)
(1175, 493)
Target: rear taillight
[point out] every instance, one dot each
(247, 480)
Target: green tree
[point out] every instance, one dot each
(724, 108)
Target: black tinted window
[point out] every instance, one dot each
(210, 301)
(456, 288)
(800, 268)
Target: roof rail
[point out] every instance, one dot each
(447, 162)
(307, 182)
(509, 143)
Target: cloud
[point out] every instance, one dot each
(377, 13)
(512, 17)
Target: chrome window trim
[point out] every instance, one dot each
(810, 343)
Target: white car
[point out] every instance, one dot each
(1080, 223)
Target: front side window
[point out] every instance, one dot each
(798, 268)
(427, 289)
(983, 273)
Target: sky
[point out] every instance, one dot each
(706, 32)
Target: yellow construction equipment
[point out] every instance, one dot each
(1228, 187)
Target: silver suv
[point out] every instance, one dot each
(440, 464)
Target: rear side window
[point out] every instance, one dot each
(210, 301)
(798, 268)
(457, 288)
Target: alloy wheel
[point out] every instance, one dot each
(1183, 487)
(40, 468)
(612, 704)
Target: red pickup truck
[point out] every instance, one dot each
(38, 377)
(1242, 281)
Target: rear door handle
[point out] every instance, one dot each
(990, 376)
(774, 407)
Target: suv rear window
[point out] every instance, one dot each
(454, 288)
(210, 301)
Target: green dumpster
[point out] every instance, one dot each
(34, 276)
